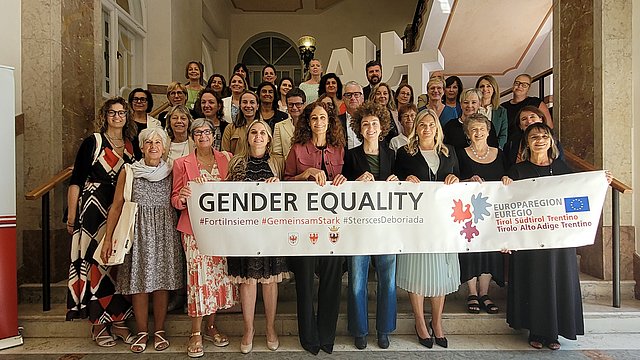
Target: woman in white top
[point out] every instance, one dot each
(310, 87)
(407, 114)
(237, 85)
(141, 103)
(178, 122)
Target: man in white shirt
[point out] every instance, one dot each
(353, 97)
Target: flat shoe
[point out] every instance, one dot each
(488, 305)
(139, 346)
(218, 339)
(273, 345)
(554, 345)
(195, 349)
(163, 343)
(473, 306)
(128, 339)
(103, 339)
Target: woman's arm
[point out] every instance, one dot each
(73, 194)
(114, 214)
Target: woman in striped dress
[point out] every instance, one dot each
(426, 158)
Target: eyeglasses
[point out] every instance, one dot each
(202, 132)
(175, 93)
(298, 105)
(139, 99)
(350, 95)
(113, 113)
(523, 85)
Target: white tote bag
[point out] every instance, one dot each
(123, 233)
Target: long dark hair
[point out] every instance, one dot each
(335, 133)
(322, 88)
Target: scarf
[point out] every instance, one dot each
(151, 173)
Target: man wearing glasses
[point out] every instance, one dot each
(521, 98)
(353, 97)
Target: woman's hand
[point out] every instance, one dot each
(107, 249)
(506, 180)
(367, 176)
(609, 176)
(392, 177)
(476, 178)
(451, 179)
(505, 251)
(412, 178)
(338, 180)
(184, 194)
(272, 179)
(70, 225)
(200, 180)
(316, 175)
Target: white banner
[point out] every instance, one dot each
(302, 218)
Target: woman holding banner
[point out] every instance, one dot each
(480, 162)
(253, 162)
(427, 158)
(373, 160)
(209, 289)
(317, 155)
(544, 288)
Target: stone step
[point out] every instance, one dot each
(512, 346)
(600, 318)
(592, 289)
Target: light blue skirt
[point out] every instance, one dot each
(428, 275)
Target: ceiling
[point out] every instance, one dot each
(283, 6)
(475, 34)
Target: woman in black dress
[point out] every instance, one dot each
(480, 162)
(253, 163)
(544, 289)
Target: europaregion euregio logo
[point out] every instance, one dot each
(469, 214)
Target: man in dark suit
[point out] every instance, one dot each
(352, 97)
(374, 76)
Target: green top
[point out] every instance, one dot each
(374, 164)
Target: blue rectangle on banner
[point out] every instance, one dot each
(576, 204)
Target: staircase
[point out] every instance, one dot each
(607, 327)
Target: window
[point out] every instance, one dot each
(124, 34)
(271, 48)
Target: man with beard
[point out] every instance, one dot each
(374, 76)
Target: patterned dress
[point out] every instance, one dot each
(92, 290)
(208, 286)
(155, 261)
(252, 270)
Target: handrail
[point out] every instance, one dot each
(618, 187)
(58, 178)
(583, 165)
(42, 192)
(535, 78)
(159, 109)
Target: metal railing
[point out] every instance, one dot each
(42, 192)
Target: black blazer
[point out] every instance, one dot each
(416, 165)
(454, 135)
(355, 162)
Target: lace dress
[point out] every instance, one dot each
(254, 270)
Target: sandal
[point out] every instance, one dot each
(218, 339)
(139, 346)
(195, 349)
(129, 338)
(473, 307)
(103, 339)
(553, 345)
(163, 343)
(536, 342)
(488, 305)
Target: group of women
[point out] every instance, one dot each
(239, 145)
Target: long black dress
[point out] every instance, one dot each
(475, 264)
(544, 288)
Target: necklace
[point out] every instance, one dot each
(473, 150)
(111, 140)
(543, 166)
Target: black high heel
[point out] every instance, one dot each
(426, 342)
(439, 341)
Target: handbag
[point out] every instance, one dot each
(122, 236)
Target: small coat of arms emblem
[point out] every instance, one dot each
(333, 234)
(293, 238)
(313, 237)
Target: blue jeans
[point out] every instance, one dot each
(357, 309)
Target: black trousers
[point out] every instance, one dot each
(320, 330)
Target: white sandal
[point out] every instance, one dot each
(163, 344)
(103, 338)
